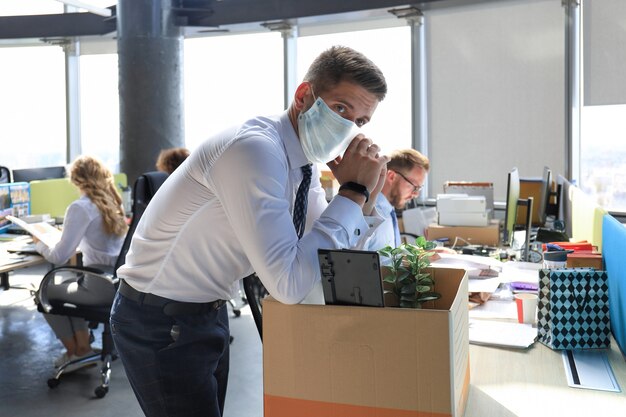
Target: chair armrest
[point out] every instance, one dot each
(98, 272)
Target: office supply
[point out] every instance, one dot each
(416, 220)
(462, 210)
(526, 304)
(41, 173)
(351, 277)
(573, 309)
(360, 361)
(585, 260)
(461, 203)
(472, 188)
(589, 369)
(21, 245)
(474, 265)
(520, 286)
(451, 218)
(565, 207)
(614, 244)
(495, 309)
(466, 235)
(503, 334)
(43, 231)
(483, 285)
(549, 200)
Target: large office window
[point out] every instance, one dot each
(99, 108)
(390, 50)
(32, 87)
(496, 91)
(229, 79)
(603, 115)
(29, 7)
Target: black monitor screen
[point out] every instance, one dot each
(510, 214)
(544, 198)
(34, 174)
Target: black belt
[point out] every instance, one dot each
(170, 307)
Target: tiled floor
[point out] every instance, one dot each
(27, 347)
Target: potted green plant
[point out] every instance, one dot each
(405, 277)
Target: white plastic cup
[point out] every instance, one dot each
(526, 307)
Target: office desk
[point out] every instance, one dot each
(532, 383)
(9, 264)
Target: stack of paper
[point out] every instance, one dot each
(498, 333)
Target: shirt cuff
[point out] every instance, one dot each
(349, 215)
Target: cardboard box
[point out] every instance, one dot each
(474, 235)
(585, 260)
(323, 361)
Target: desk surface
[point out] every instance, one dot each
(11, 262)
(532, 383)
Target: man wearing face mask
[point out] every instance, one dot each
(236, 207)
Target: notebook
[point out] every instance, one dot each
(351, 277)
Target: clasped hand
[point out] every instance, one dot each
(361, 163)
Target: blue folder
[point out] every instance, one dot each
(614, 254)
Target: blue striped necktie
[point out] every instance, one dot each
(299, 207)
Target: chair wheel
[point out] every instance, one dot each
(101, 391)
(53, 382)
(237, 313)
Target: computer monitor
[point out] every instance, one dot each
(34, 174)
(510, 213)
(565, 203)
(546, 192)
(550, 199)
(513, 200)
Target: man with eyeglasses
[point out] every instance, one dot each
(406, 174)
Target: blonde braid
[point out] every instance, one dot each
(96, 181)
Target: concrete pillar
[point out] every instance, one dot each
(150, 52)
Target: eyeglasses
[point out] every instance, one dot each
(416, 188)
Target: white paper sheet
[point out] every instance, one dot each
(498, 333)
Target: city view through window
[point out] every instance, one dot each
(603, 155)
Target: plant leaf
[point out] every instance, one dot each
(428, 296)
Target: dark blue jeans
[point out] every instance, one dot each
(176, 365)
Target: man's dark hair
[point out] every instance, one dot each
(340, 63)
(170, 159)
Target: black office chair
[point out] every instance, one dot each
(5, 175)
(144, 188)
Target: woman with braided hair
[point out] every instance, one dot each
(96, 225)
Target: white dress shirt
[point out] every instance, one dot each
(83, 229)
(226, 212)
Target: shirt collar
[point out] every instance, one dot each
(295, 154)
(382, 204)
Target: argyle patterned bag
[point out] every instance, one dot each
(573, 309)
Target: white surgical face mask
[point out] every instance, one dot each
(324, 134)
